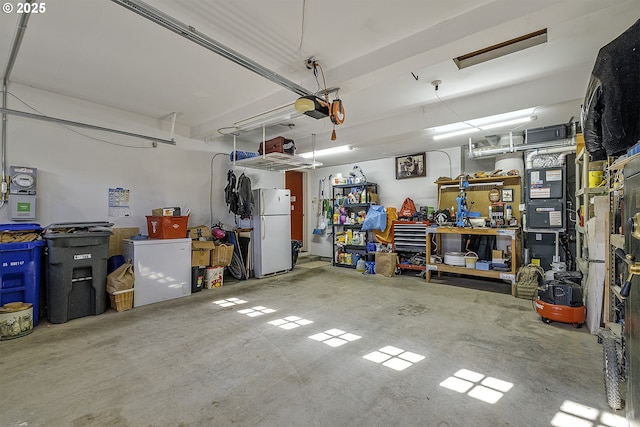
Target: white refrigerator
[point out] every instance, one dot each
(271, 235)
(162, 269)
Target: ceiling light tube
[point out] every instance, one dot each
(508, 123)
(455, 133)
(327, 151)
(484, 127)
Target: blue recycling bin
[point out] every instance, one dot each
(21, 265)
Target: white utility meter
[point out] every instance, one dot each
(22, 192)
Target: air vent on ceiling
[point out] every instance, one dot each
(501, 49)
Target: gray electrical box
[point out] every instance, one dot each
(22, 193)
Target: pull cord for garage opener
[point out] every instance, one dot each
(336, 108)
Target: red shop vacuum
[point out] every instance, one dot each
(561, 301)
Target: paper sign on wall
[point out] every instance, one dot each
(119, 202)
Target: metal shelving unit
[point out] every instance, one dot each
(614, 240)
(347, 249)
(584, 193)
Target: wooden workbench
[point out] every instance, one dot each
(511, 232)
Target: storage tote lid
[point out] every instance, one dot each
(90, 225)
(77, 229)
(20, 227)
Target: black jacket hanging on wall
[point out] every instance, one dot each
(611, 109)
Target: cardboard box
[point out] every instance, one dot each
(171, 211)
(497, 254)
(199, 231)
(167, 227)
(201, 253)
(117, 236)
(221, 254)
(213, 277)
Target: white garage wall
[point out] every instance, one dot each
(76, 171)
(392, 192)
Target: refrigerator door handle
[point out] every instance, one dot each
(264, 228)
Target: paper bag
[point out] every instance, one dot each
(121, 278)
(386, 263)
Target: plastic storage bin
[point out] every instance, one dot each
(21, 266)
(197, 279)
(77, 271)
(167, 227)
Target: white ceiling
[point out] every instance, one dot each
(371, 49)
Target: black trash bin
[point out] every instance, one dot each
(296, 245)
(76, 261)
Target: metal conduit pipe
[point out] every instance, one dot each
(3, 151)
(566, 144)
(17, 41)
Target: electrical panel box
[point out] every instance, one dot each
(22, 207)
(22, 193)
(22, 180)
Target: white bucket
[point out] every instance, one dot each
(470, 259)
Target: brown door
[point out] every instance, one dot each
(293, 181)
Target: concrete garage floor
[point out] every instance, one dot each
(385, 352)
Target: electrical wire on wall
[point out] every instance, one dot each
(447, 154)
(80, 133)
(304, 9)
(335, 108)
(436, 84)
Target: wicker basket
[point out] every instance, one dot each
(122, 300)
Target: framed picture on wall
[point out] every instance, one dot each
(412, 166)
(507, 195)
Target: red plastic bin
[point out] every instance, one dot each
(167, 227)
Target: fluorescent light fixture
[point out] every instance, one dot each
(508, 123)
(455, 133)
(271, 117)
(483, 123)
(327, 151)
